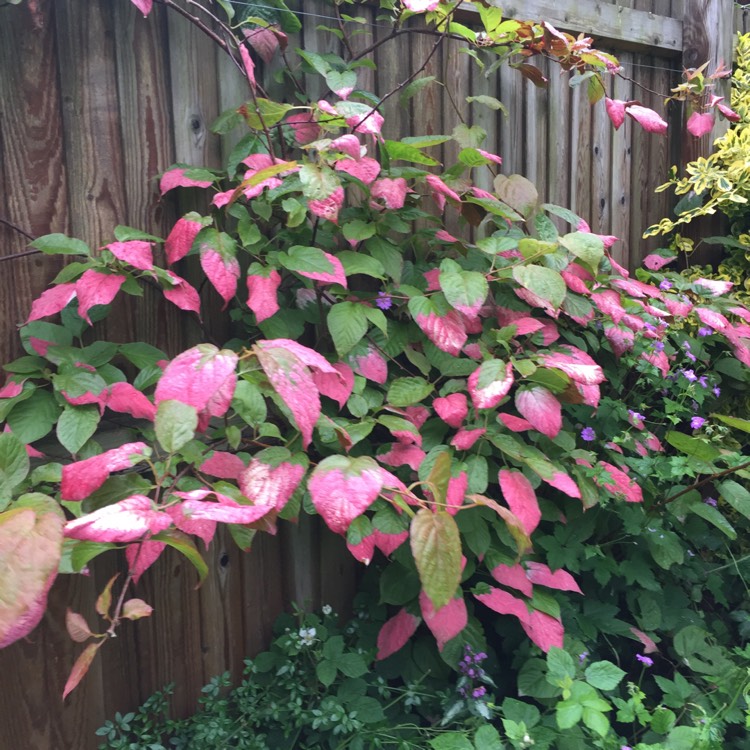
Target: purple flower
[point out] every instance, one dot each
(588, 434)
(478, 692)
(705, 331)
(696, 423)
(658, 346)
(665, 285)
(384, 301)
(625, 747)
(703, 381)
(647, 661)
(690, 356)
(583, 656)
(717, 391)
(690, 375)
(711, 501)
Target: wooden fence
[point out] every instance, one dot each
(95, 101)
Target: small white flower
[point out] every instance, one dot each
(307, 636)
(327, 609)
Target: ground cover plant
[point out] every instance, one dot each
(524, 440)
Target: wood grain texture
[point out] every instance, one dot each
(33, 178)
(621, 160)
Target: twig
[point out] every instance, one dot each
(19, 255)
(17, 228)
(710, 478)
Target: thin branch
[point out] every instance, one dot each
(19, 255)
(17, 228)
(710, 478)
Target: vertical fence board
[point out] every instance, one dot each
(621, 158)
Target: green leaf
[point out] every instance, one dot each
(361, 263)
(715, 517)
(692, 446)
(439, 477)
(596, 721)
(347, 324)
(317, 182)
(264, 113)
(249, 403)
(185, 546)
(175, 424)
(560, 666)
(518, 192)
(399, 151)
(487, 738)
(306, 259)
(142, 355)
(736, 422)
(736, 495)
(588, 247)
(59, 244)
(488, 101)
(414, 88)
(358, 230)
(352, 665)
(464, 290)
(408, 391)
(568, 714)
(82, 553)
(76, 425)
(14, 466)
(604, 675)
(436, 547)
(326, 672)
(682, 738)
(34, 418)
(543, 282)
(451, 741)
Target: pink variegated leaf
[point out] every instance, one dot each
(30, 551)
(365, 169)
(81, 478)
(389, 543)
(342, 488)
(391, 191)
(328, 208)
(77, 627)
(513, 576)
(270, 486)
(371, 365)
(395, 633)
(11, 388)
(490, 383)
(95, 288)
(200, 510)
(337, 387)
(125, 399)
(135, 609)
(649, 644)
(336, 275)
(348, 144)
(621, 339)
(655, 262)
(447, 622)
(86, 658)
(615, 111)
(620, 485)
(136, 253)
(364, 551)
(728, 112)
(561, 580)
(452, 409)
(182, 294)
(262, 286)
(440, 191)
(504, 603)
(521, 499)
(223, 465)
(421, 6)
(646, 118)
(180, 239)
(142, 556)
(445, 329)
(176, 177)
(562, 481)
(125, 521)
(51, 301)
(402, 454)
(200, 527)
(305, 354)
(711, 318)
(544, 630)
(248, 65)
(293, 381)
(145, 6)
(713, 287)
(700, 123)
(514, 423)
(464, 440)
(222, 270)
(203, 377)
(306, 130)
(577, 365)
(540, 407)
(456, 492)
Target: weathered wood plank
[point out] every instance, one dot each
(601, 170)
(32, 162)
(622, 27)
(486, 118)
(536, 106)
(557, 149)
(512, 132)
(581, 154)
